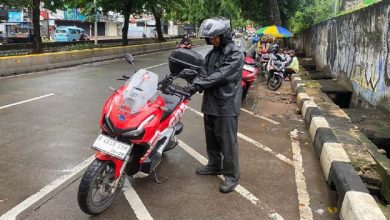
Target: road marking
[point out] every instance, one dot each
(25, 74)
(250, 48)
(257, 144)
(252, 113)
(239, 189)
(25, 101)
(259, 116)
(305, 211)
(135, 202)
(150, 67)
(46, 192)
(266, 149)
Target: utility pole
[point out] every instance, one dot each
(95, 25)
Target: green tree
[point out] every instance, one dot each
(34, 5)
(192, 11)
(268, 12)
(311, 12)
(158, 9)
(195, 11)
(124, 7)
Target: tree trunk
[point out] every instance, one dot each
(125, 29)
(273, 13)
(196, 29)
(37, 41)
(158, 27)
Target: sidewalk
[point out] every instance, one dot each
(346, 155)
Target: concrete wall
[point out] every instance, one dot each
(111, 29)
(354, 48)
(30, 63)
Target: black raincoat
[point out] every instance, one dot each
(222, 81)
(221, 105)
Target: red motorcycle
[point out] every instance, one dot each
(139, 122)
(250, 72)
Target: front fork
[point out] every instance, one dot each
(120, 166)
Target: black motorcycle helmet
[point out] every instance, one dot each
(273, 48)
(216, 26)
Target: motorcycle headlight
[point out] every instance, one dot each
(140, 131)
(134, 134)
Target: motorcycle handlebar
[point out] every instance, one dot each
(179, 92)
(168, 88)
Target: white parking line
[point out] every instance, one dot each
(250, 48)
(25, 101)
(150, 67)
(36, 200)
(257, 144)
(239, 189)
(19, 75)
(305, 211)
(259, 116)
(135, 202)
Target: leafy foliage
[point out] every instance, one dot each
(311, 12)
(263, 11)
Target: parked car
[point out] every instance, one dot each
(69, 34)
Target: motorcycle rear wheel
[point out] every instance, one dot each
(274, 82)
(97, 181)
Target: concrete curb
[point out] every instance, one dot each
(297, 84)
(40, 62)
(354, 200)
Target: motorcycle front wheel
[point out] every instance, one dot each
(244, 92)
(274, 82)
(95, 191)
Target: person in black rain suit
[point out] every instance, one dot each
(221, 82)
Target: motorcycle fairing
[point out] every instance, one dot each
(117, 162)
(158, 132)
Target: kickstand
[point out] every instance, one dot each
(161, 180)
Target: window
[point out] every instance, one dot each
(62, 31)
(72, 31)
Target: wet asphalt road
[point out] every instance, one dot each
(43, 139)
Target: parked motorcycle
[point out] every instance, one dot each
(262, 60)
(275, 72)
(139, 122)
(250, 72)
(186, 46)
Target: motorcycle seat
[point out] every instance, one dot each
(249, 60)
(171, 102)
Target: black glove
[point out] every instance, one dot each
(188, 74)
(192, 89)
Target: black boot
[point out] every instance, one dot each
(228, 185)
(208, 170)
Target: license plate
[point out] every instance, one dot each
(111, 146)
(249, 68)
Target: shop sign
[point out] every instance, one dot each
(15, 16)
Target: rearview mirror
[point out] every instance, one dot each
(129, 58)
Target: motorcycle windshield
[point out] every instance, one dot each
(139, 89)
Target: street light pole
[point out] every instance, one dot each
(95, 25)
